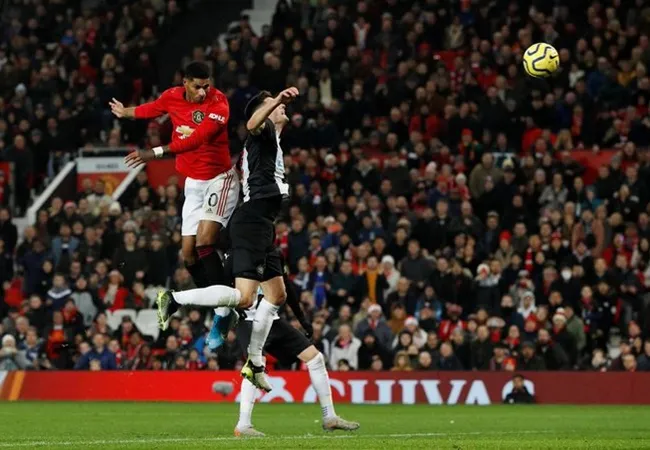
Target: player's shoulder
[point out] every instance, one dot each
(174, 92)
(217, 97)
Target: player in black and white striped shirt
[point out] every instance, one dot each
(252, 230)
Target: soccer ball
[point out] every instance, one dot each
(541, 60)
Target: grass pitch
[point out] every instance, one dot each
(185, 425)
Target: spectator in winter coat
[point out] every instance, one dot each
(404, 295)
(519, 393)
(344, 286)
(562, 336)
(528, 360)
(591, 231)
(60, 292)
(132, 261)
(375, 323)
(99, 353)
(447, 360)
(554, 356)
(33, 263)
(390, 273)
(481, 349)
(113, 295)
(345, 347)
(369, 350)
(10, 357)
(415, 267)
(86, 303)
(575, 327)
(64, 246)
(479, 174)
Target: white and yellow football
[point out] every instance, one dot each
(541, 60)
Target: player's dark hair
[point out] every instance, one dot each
(255, 103)
(196, 69)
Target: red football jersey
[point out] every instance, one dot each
(200, 136)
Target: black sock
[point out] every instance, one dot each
(211, 262)
(198, 274)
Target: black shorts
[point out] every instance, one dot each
(284, 343)
(252, 233)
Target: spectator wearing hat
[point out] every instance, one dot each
(419, 336)
(487, 288)
(390, 273)
(375, 322)
(113, 294)
(10, 357)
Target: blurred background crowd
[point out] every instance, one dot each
(439, 217)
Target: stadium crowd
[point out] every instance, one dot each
(438, 218)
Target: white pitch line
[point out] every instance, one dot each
(103, 442)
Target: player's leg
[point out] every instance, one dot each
(274, 296)
(320, 381)
(248, 393)
(220, 200)
(244, 427)
(191, 214)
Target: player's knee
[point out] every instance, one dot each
(312, 357)
(208, 233)
(247, 299)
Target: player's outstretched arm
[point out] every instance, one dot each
(120, 111)
(262, 113)
(216, 119)
(149, 110)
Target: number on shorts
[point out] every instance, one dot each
(212, 200)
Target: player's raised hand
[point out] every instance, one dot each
(117, 108)
(138, 158)
(288, 95)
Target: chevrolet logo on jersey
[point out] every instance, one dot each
(184, 131)
(197, 117)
